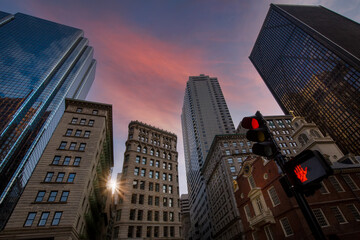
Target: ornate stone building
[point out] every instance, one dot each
(148, 204)
(67, 196)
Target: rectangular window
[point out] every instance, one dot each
(74, 120)
(170, 177)
(273, 196)
(79, 110)
(157, 163)
(354, 211)
(171, 202)
(251, 182)
(48, 177)
(43, 219)
(77, 161)
(95, 112)
(227, 152)
(82, 121)
(118, 215)
(82, 146)
(150, 200)
(140, 215)
(141, 199)
(64, 196)
(142, 185)
(338, 214)
(52, 196)
(135, 184)
(72, 146)
(71, 177)
(60, 177)
(268, 233)
(157, 202)
(285, 224)
(164, 188)
(157, 175)
(333, 180)
(30, 219)
(137, 159)
(247, 212)
(143, 172)
(165, 231)
(151, 162)
(148, 231)
(133, 198)
(78, 133)
(40, 196)
(165, 202)
(165, 216)
(56, 219)
(66, 160)
(149, 215)
(56, 160)
(156, 231)
(91, 123)
(320, 217)
(171, 216)
(68, 132)
(87, 134)
(136, 171)
(232, 169)
(132, 214)
(170, 189)
(157, 187)
(130, 231)
(151, 186)
(350, 182)
(144, 160)
(169, 166)
(164, 176)
(156, 216)
(151, 174)
(323, 189)
(172, 232)
(62, 145)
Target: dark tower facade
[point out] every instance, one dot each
(41, 63)
(309, 58)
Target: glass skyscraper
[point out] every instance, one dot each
(41, 63)
(204, 115)
(309, 58)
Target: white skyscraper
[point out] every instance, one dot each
(204, 115)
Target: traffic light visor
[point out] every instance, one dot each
(250, 123)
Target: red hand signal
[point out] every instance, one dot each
(301, 173)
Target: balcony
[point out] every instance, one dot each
(262, 219)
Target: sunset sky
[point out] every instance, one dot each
(146, 50)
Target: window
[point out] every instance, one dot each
(95, 112)
(230, 160)
(323, 189)
(48, 176)
(68, 132)
(151, 162)
(247, 212)
(143, 172)
(132, 214)
(227, 152)
(142, 185)
(77, 161)
(285, 224)
(164, 165)
(170, 177)
(144, 160)
(66, 161)
(87, 134)
(320, 217)
(164, 176)
(116, 233)
(350, 182)
(338, 214)
(118, 215)
(144, 150)
(74, 120)
(268, 233)
(64, 196)
(138, 149)
(133, 198)
(149, 215)
(151, 174)
(148, 231)
(151, 186)
(169, 166)
(157, 201)
(141, 199)
(60, 177)
(152, 152)
(82, 146)
(165, 202)
(140, 215)
(172, 232)
(171, 216)
(165, 231)
(333, 180)
(78, 133)
(56, 219)
(56, 160)
(157, 187)
(137, 159)
(354, 211)
(252, 182)
(226, 144)
(259, 204)
(62, 145)
(273, 196)
(170, 189)
(130, 231)
(79, 110)
(52, 196)
(135, 184)
(72, 146)
(43, 219)
(164, 188)
(156, 216)
(82, 121)
(157, 175)
(30, 219)
(165, 216)
(40, 196)
(150, 200)
(71, 177)
(91, 123)
(171, 202)
(239, 159)
(157, 163)
(232, 169)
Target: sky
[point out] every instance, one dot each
(146, 50)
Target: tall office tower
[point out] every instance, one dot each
(309, 58)
(41, 63)
(185, 215)
(67, 195)
(148, 203)
(204, 115)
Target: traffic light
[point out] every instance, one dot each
(307, 170)
(259, 133)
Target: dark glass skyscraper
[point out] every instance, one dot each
(309, 58)
(41, 63)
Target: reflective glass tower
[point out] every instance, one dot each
(309, 57)
(41, 63)
(204, 115)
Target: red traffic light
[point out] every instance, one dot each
(250, 123)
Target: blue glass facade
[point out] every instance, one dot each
(41, 64)
(309, 59)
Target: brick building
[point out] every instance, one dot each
(67, 196)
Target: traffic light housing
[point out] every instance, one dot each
(307, 170)
(258, 132)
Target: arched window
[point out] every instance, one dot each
(138, 148)
(151, 152)
(315, 133)
(144, 150)
(303, 139)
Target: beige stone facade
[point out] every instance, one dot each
(65, 197)
(148, 204)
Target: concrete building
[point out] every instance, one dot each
(185, 215)
(268, 213)
(37, 73)
(148, 203)
(204, 114)
(308, 57)
(67, 196)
